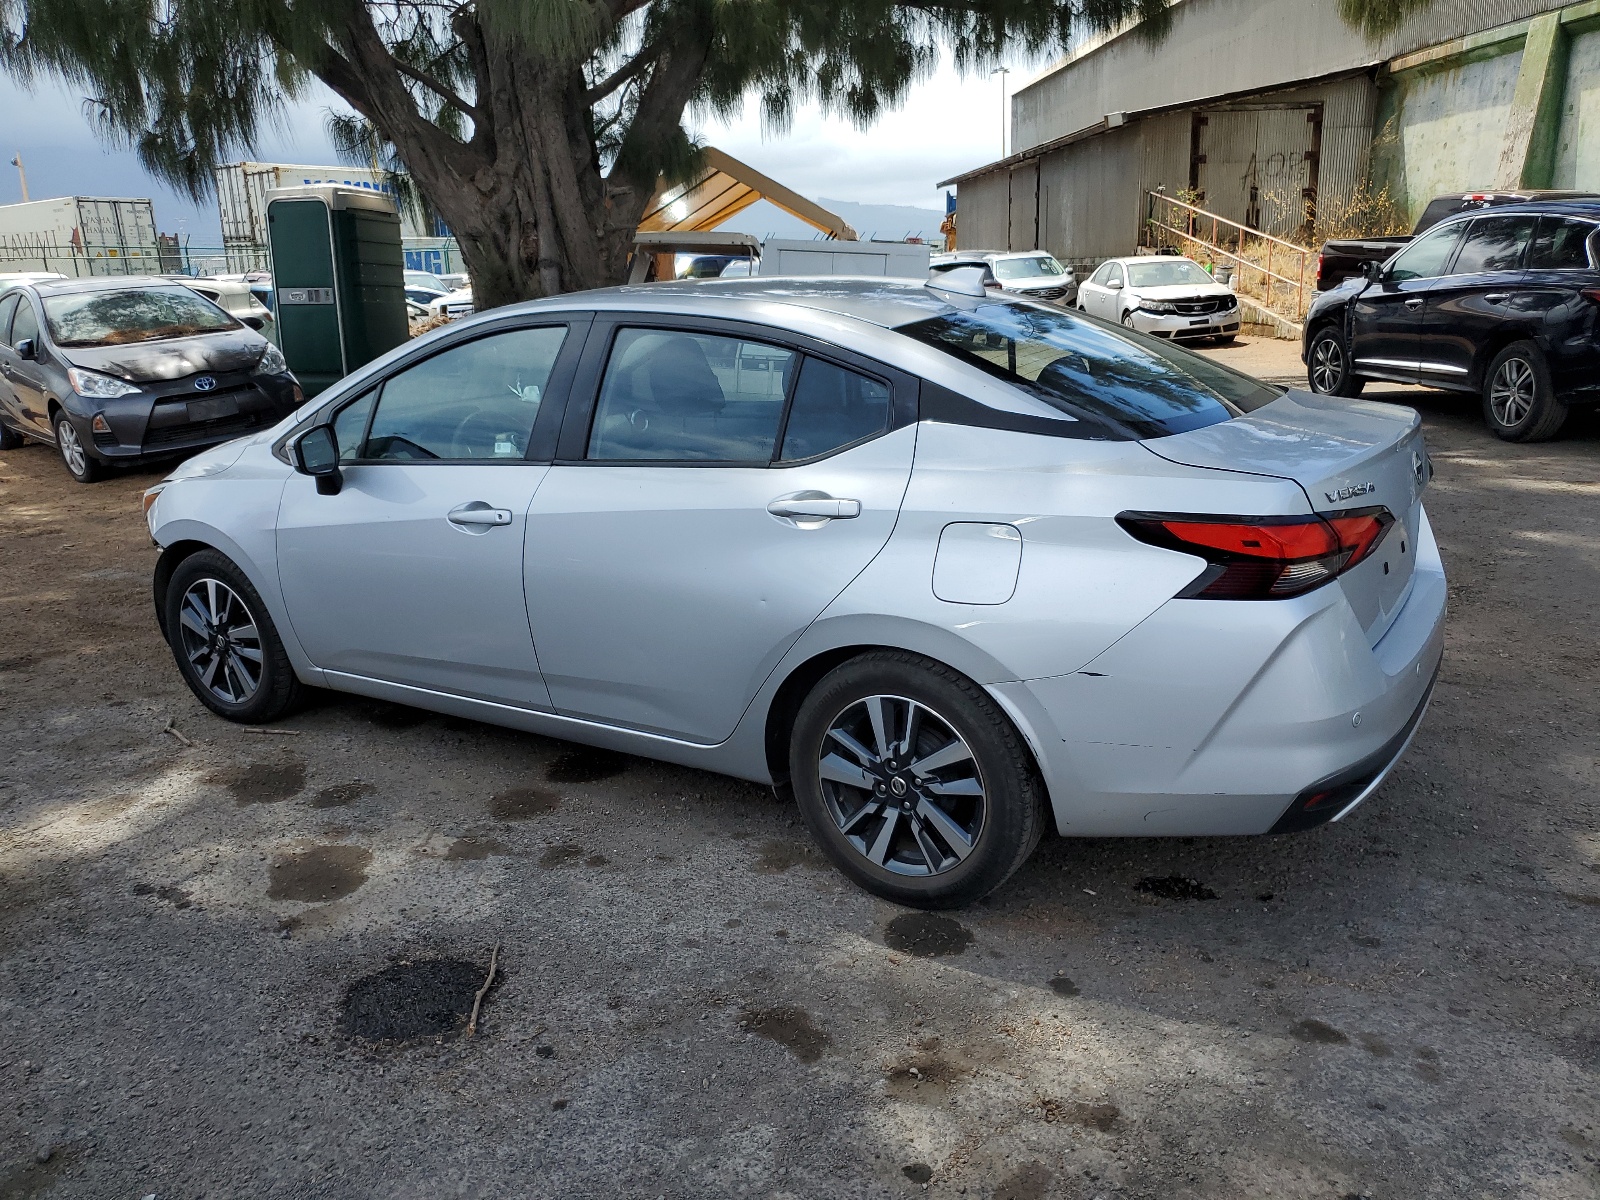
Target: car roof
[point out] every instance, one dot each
(104, 283)
(1586, 208)
(1144, 258)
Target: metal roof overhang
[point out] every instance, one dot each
(724, 188)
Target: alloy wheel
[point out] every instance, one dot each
(902, 786)
(221, 641)
(1512, 392)
(72, 452)
(1327, 365)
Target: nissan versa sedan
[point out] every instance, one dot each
(126, 370)
(950, 568)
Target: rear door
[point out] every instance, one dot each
(720, 486)
(1474, 303)
(1563, 261)
(1386, 316)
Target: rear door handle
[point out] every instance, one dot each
(814, 505)
(1414, 303)
(476, 512)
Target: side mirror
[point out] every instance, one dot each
(316, 453)
(27, 349)
(255, 323)
(1114, 284)
(1372, 270)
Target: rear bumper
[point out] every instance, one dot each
(1215, 717)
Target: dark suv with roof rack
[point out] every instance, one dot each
(1503, 302)
(126, 370)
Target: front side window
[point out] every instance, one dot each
(350, 426)
(475, 401)
(1114, 382)
(1493, 244)
(1426, 257)
(1115, 274)
(832, 407)
(671, 395)
(1102, 274)
(117, 318)
(1037, 266)
(26, 323)
(1559, 245)
(8, 307)
(1165, 272)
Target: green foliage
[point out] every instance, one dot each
(1375, 18)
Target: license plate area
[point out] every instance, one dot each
(211, 410)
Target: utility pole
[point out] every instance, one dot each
(1002, 72)
(22, 175)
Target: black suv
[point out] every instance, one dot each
(124, 370)
(1504, 303)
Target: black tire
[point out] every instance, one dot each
(893, 810)
(1225, 340)
(1127, 318)
(10, 439)
(79, 460)
(1328, 365)
(195, 646)
(1519, 402)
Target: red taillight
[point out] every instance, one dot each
(1263, 558)
(1592, 294)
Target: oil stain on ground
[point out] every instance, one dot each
(927, 935)
(562, 855)
(471, 848)
(1317, 1033)
(320, 873)
(1174, 887)
(414, 1000)
(927, 1077)
(777, 857)
(1062, 986)
(341, 794)
(391, 716)
(174, 896)
(263, 783)
(790, 1027)
(521, 803)
(586, 765)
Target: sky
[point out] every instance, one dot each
(948, 124)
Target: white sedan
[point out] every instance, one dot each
(1168, 296)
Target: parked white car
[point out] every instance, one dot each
(234, 296)
(1165, 295)
(1029, 274)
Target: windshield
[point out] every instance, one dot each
(1164, 272)
(1032, 267)
(144, 314)
(1119, 383)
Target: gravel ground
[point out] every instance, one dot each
(240, 964)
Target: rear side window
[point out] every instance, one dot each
(1493, 244)
(1116, 383)
(832, 407)
(26, 324)
(8, 306)
(1560, 245)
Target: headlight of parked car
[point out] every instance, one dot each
(1158, 306)
(272, 362)
(100, 387)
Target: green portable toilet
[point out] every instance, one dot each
(338, 279)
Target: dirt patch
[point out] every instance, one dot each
(1030, 1181)
(927, 935)
(471, 849)
(414, 1001)
(174, 896)
(587, 766)
(521, 803)
(341, 794)
(562, 855)
(1100, 1117)
(263, 783)
(320, 873)
(917, 1172)
(1317, 1033)
(108, 809)
(777, 857)
(1062, 986)
(927, 1076)
(1174, 887)
(391, 716)
(790, 1027)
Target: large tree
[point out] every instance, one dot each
(537, 129)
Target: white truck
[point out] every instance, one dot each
(80, 235)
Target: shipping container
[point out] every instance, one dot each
(242, 189)
(80, 235)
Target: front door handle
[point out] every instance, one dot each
(814, 506)
(1413, 303)
(478, 513)
(1497, 298)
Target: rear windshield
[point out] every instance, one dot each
(144, 314)
(1119, 383)
(1034, 267)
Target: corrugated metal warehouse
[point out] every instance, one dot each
(1272, 111)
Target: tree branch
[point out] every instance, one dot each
(622, 74)
(445, 93)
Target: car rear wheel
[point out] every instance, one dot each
(10, 439)
(82, 465)
(226, 646)
(914, 782)
(1328, 366)
(1519, 403)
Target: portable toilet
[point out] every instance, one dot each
(338, 278)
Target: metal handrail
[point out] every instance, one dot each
(1215, 246)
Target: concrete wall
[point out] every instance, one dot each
(1224, 47)
(1577, 148)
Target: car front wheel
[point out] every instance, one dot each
(225, 643)
(1328, 366)
(82, 465)
(1519, 403)
(914, 782)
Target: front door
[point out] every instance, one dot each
(412, 573)
(10, 408)
(25, 376)
(726, 489)
(1478, 300)
(1386, 318)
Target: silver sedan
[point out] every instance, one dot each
(949, 568)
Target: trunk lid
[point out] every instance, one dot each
(1346, 455)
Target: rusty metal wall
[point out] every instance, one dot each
(1090, 197)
